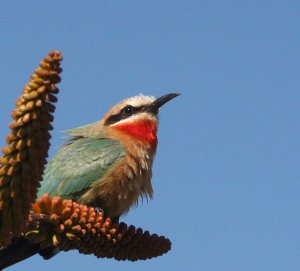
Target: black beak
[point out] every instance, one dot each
(154, 107)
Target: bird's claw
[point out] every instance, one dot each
(99, 210)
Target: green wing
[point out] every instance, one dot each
(77, 165)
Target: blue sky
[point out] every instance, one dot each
(226, 175)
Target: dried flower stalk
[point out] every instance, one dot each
(69, 225)
(24, 158)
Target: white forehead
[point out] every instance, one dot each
(139, 100)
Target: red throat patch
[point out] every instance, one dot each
(144, 130)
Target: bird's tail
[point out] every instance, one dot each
(49, 252)
(21, 249)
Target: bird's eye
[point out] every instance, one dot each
(128, 109)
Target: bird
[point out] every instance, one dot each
(107, 164)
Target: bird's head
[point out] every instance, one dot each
(137, 117)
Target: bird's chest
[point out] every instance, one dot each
(122, 187)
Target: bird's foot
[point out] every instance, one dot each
(99, 210)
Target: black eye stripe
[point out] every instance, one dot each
(125, 112)
(129, 110)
